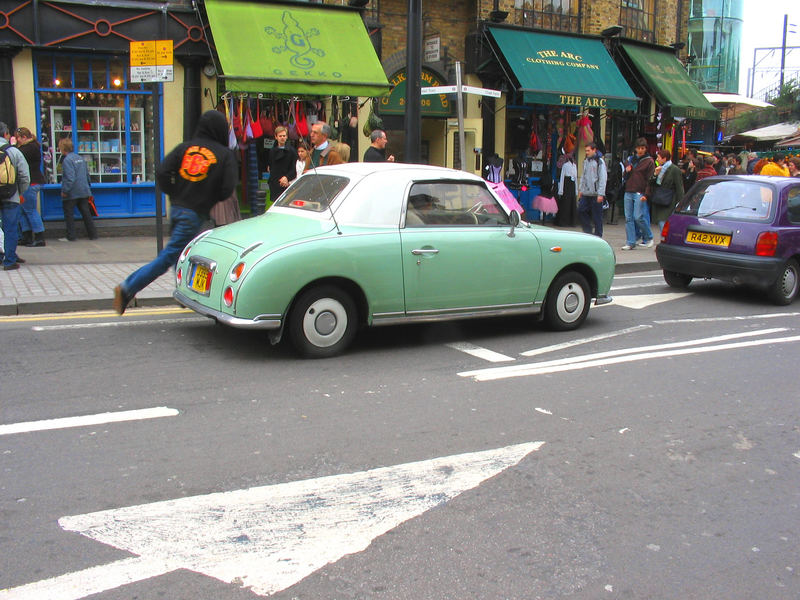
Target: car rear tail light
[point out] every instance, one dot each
(178, 276)
(185, 253)
(227, 296)
(767, 243)
(665, 232)
(237, 271)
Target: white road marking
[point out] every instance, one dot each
(98, 419)
(544, 411)
(626, 355)
(737, 318)
(648, 275)
(268, 538)
(631, 286)
(594, 338)
(118, 324)
(645, 300)
(479, 352)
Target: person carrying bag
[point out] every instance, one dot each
(666, 188)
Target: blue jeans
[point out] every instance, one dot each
(10, 213)
(31, 219)
(185, 225)
(637, 219)
(591, 212)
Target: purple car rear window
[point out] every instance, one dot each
(742, 200)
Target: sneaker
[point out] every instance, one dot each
(648, 243)
(11, 267)
(120, 301)
(628, 247)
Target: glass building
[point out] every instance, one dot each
(715, 36)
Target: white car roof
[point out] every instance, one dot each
(413, 171)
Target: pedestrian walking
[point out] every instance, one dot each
(377, 148)
(197, 174)
(666, 190)
(637, 214)
(31, 223)
(323, 153)
(592, 191)
(76, 187)
(281, 163)
(14, 180)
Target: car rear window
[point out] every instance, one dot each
(313, 192)
(739, 199)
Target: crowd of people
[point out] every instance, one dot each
(648, 189)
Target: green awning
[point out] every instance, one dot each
(564, 70)
(290, 49)
(670, 83)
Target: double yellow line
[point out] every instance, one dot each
(133, 312)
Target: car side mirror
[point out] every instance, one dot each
(515, 219)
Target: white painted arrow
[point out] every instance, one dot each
(645, 300)
(267, 538)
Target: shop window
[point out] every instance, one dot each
(638, 19)
(111, 126)
(63, 73)
(556, 15)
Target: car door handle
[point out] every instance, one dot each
(419, 251)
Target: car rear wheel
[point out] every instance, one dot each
(677, 280)
(784, 290)
(567, 302)
(322, 322)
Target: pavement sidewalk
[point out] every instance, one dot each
(78, 276)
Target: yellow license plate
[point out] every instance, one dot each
(201, 280)
(709, 239)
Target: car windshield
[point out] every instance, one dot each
(731, 199)
(313, 192)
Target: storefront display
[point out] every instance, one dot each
(110, 122)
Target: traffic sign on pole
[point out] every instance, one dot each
(452, 89)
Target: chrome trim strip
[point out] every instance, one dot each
(249, 249)
(600, 300)
(432, 316)
(260, 322)
(471, 309)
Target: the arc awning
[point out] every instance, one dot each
(294, 49)
(563, 70)
(670, 82)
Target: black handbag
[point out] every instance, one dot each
(663, 196)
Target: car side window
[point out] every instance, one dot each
(793, 204)
(449, 203)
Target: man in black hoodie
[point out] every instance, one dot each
(197, 174)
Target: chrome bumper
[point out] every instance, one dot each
(260, 322)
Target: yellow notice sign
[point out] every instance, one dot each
(143, 54)
(151, 53)
(163, 52)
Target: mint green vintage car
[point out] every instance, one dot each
(383, 243)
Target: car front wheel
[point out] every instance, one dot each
(677, 280)
(322, 322)
(784, 290)
(567, 302)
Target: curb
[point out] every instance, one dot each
(10, 307)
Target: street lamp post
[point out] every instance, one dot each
(413, 121)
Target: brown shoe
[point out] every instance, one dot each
(20, 261)
(11, 267)
(120, 301)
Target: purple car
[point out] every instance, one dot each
(744, 229)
